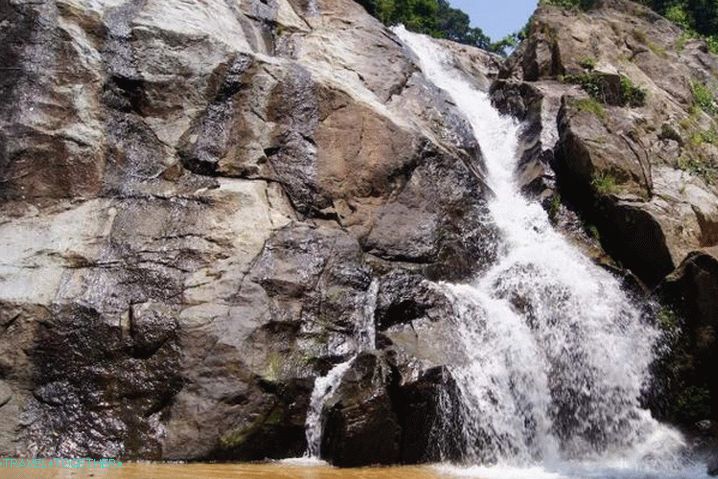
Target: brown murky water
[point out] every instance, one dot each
(223, 471)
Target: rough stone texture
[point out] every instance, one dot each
(691, 297)
(656, 206)
(361, 426)
(196, 199)
(635, 185)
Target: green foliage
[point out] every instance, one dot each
(703, 98)
(702, 137)
(699, 166)
(590, 105)
(506, 44)
(432, 17)
(582, 4)
(668, 320)
(682, 40)
(595, 84)
(631, 94)
(678, 14)
(554, 207)
(699, 18)
(693, 404)
(605, 183)
(589, 63)
(592, 83)
(712, 42)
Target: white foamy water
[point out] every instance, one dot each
(555, 354)
(325, 386)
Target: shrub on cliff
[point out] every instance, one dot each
(432, 17)
(697, 17)
(582, 4)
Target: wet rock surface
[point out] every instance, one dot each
(690, 294)
(196, 200)
(617, 144)
(361, 426)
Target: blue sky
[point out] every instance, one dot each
(497, 18)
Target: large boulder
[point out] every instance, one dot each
(690, 315)
(381, 415)
(361, 427)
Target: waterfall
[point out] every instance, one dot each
(555, 355)
(324, 386)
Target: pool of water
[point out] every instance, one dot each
(226, 471)
(303, 469)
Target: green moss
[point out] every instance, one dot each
(691, 121)
(681, 42)
(703, 98)
(273, 368)
(554, 207)
(605, 183)
(702, 137)
(667, 320)
(699, 166)
(595, 84)
(590, 105)
(237, 437)
(275, 417)
(589, 63)
(657, 49)
(640, 35)
(631, 94)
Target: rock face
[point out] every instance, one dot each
(619, 144)
(691, 296)
(196, 200)
(203, 203)
(362, 427)
(642, 171)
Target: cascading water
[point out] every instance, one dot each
(556, 355)
(324, 386)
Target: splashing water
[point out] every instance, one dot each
(556, 355)
(325, 386)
